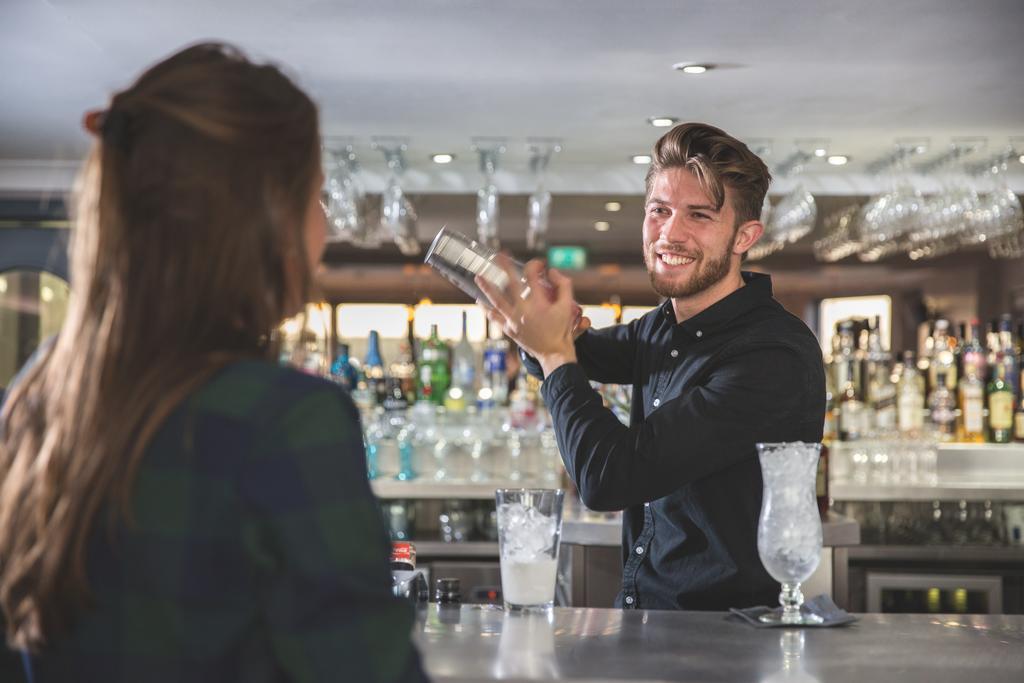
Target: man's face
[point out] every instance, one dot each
(688, 245)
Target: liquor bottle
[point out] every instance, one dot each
(404, 370)
(971, 425)
(1019, 339)
(851, 412)
(910, 398)
(434, 375)
(847, 352)
(464, 362)
(881, 394)
(361, 396)
(974, 354)
(943, 409)
(373, 369)
(342, 370)
(958, 348)
(455, 400)
(926, 349)
(831, 429)
(395, 398)
(992, 346)
(942, 356)
(495, 381)
(1018, 418)
(1000, 407)
(1008, 354)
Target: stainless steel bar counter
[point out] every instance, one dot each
(483, 643)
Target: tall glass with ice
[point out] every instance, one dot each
(529, 530)
(789, 528)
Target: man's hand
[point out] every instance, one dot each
(546, 322)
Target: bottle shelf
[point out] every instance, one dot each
(389, 489)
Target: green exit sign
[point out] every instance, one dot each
(567, 258)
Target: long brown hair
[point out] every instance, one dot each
(187, 251)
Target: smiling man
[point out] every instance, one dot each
(715, 369)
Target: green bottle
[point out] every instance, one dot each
(1000, 407)
(434, 374)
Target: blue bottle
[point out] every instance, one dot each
(342, 371)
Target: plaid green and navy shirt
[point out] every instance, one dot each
(257, 552)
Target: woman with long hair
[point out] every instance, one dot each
(175, 506)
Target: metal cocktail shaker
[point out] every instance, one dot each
(460, 260)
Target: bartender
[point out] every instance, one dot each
(715, 369)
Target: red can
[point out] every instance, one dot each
(403, 556)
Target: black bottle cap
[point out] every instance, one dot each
(447, 590)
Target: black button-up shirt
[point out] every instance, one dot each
(685, 471)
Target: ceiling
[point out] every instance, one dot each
(589, 72)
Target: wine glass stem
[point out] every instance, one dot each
(791, 599)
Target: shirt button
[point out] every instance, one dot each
(629, 599)
(657, 402)
(699, 334)
(639, 550)
(673, 353)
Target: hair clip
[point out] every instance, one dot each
(93, 121)
(113, 126)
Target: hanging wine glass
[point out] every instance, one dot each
(538, 209)
(998, 211)
(487, 213)
(840, 238)
(397, 215)
(344, 197)
(405, 235)
(538, 205)
(887, 218)
(945, 217)
(794, 216)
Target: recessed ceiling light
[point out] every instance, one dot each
(442, 158)
(612, 206)
(642, 159)
(1021, 159)
(688, 68)
(602, 226)
(662, 121)
(820, 152)
(838, 159)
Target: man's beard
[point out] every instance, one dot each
(707, 275)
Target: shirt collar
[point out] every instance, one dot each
(757, 291)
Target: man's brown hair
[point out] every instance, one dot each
(716, 159)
